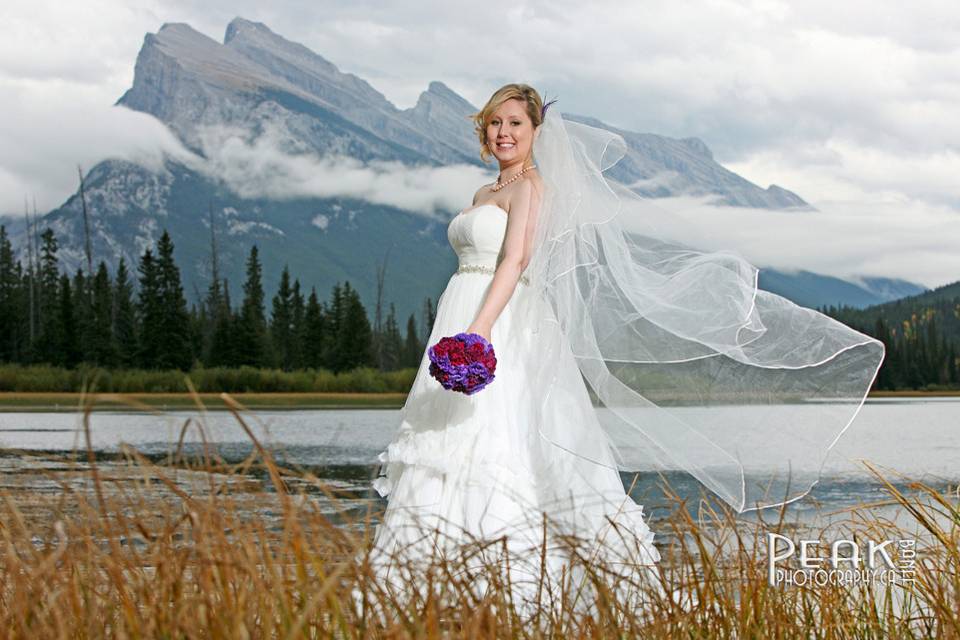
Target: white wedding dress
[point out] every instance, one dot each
(465, 468)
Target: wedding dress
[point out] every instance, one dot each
(464, 468)
(693, 366)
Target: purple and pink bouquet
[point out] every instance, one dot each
(465, 362)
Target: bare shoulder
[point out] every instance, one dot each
(485, 189)
(527, 192)
(532, 185)
(536, 181)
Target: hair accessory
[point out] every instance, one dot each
(543, 110)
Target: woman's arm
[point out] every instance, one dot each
(523, 209)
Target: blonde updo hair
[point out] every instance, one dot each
(523, 92)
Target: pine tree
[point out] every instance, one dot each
(314, 333)
(952, 369)
(429, 315)
(883, 380)
(100, 345)
(9, 301)
(49, 335)
(81, 312)
(49, 270)
(213, 304)
(150, 315)
(297, 337)
(334, 313)
(68, 347)
(412, 347)
(124, 317)
(354, 334)
(23, 312)
(222, 349)
(198, 324)
(252, 347)
(281, 324)
(391, 345)
(176, 332)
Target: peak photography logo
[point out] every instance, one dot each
(841, 562)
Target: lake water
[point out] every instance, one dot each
(916, 437)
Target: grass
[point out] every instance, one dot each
(17, 378)
(70, 402)
(42, 387)
(195, 547)
(63, 401)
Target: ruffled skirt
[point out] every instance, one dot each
(465, 469)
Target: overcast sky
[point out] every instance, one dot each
(853, 105)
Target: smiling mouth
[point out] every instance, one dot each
(505, 145)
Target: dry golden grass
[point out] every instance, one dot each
(195, 548)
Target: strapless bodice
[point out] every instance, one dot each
(476, 235)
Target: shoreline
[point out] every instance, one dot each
(54, 401)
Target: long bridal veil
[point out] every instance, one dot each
(692, 366)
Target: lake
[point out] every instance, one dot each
(916, 437)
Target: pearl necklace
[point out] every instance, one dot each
(501, 185)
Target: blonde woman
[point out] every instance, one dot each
(687, 360)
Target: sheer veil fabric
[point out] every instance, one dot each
(691, 366)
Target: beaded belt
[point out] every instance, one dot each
(482, 268)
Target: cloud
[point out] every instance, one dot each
(43, 137)
(851, 107)
(848, 239)
(262, 166)
(840, 169)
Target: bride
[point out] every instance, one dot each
(617, 349)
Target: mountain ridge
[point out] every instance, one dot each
(256, 80)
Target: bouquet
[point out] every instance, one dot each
(465, 362)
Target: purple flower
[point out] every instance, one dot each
(465, 362)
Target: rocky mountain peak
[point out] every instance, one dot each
(301, 67)
(183, 43)
(440, 95)
(698, 146)
(441, 90)
(245, 28)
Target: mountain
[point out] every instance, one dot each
(257, 78)
(657, 166)
(257, 84)
(814, 290)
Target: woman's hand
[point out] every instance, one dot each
(480, 330)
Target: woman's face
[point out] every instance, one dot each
(510, 133)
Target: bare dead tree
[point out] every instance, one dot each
(197, 295)
(381, 275)
(215, 298)
(86, 225)
(31, 271)
(35, 237)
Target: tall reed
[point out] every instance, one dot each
(199, 547)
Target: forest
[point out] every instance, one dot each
(142, 321)
(920, 333)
